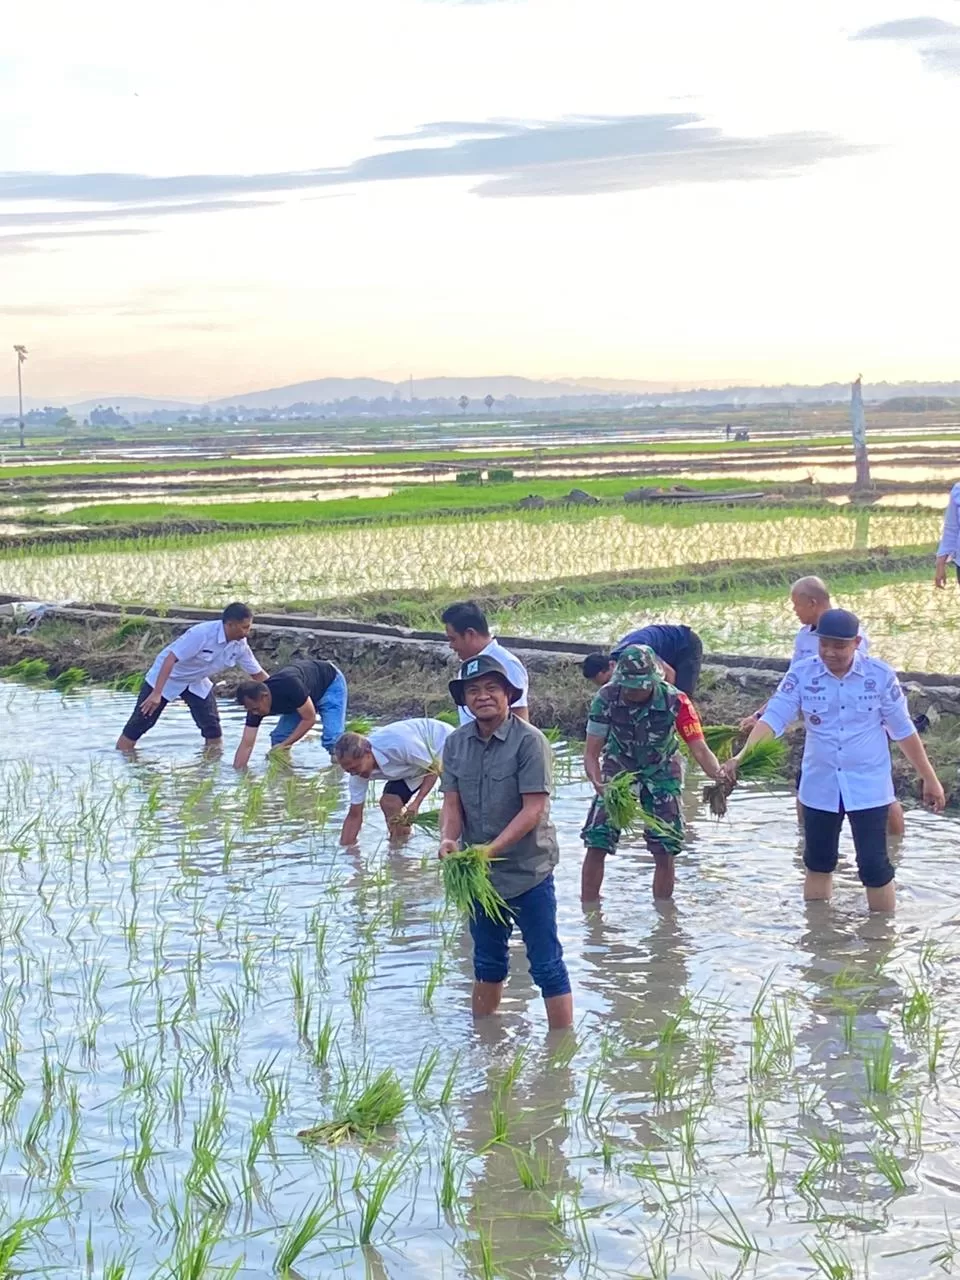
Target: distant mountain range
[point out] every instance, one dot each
(552, 393)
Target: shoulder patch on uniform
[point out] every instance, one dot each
(788, 683)
(894, 690)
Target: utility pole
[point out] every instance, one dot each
(858, 425)
(21, 356)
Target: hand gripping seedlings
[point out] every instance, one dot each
(622, 803)
(762, 763)
(467, 884)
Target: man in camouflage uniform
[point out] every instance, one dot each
(635, 725)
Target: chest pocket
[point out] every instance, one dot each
(814, 701)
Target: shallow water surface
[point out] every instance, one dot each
(747, 1074)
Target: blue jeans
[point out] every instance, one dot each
(535, 913)
(332, 712)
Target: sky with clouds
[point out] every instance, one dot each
(203, 198)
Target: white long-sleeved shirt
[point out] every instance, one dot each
(807, 644)
(202, 651)
(403, 750)
(846, 756)
(950, 538)
(514, 668)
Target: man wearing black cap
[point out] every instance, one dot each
(496, 783)
(850, 705)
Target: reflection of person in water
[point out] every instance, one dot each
(849, 994)
(520, 1221)
(644, 984)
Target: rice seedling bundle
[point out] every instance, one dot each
(380, 1103)
(428, 821)
(467, 884)
(625, 811)
(762, 763)
(720, 739)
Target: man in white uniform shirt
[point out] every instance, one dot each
(183, 669)
(407, 753)
(851, 705)
(811, 600)
(469, 637)
(949, 548)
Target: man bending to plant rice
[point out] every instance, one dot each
(634, 728)
(299, 693)
(407, 753)
(183, 669)
(496, 782)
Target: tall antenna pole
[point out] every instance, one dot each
(858, 425)
(21, 356)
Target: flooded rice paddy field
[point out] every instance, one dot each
(193, 971)
(456, 553)
(910, 625)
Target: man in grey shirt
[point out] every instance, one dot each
(496, 784)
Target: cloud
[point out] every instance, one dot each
(33, 240)
(62, 217)
(936, 41)
(907, 29)
(580, 156)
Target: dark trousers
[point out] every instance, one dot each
(821, 832)
(535, 913)
(204, 711)
(688, 666)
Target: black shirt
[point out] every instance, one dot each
(293, 684)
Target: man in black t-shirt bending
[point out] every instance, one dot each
(297, 693)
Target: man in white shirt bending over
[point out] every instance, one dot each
(469, 637)
(407, 753)
(183, 669)
(851, 706)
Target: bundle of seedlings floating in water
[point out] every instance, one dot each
(378, 1104)
(467, 884)
(622, 803)
(761, 763)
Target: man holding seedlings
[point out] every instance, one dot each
(297, 693)
(469, 637)
(182, 669)
(851, 704)
(407, 753)
(634, 728)
(679, 650)
(810, 598)
(496, 782)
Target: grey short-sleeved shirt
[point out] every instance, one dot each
(491, 777)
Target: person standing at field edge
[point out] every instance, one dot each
(407, 754)
(635, 725)
(182, 669)
(297, 693)
(949, 549)
(679, 649)
(469, 637)
(496, 783)
(851, 704)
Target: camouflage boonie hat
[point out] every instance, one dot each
(637, 668)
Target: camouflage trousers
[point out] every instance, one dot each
(660, 797)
